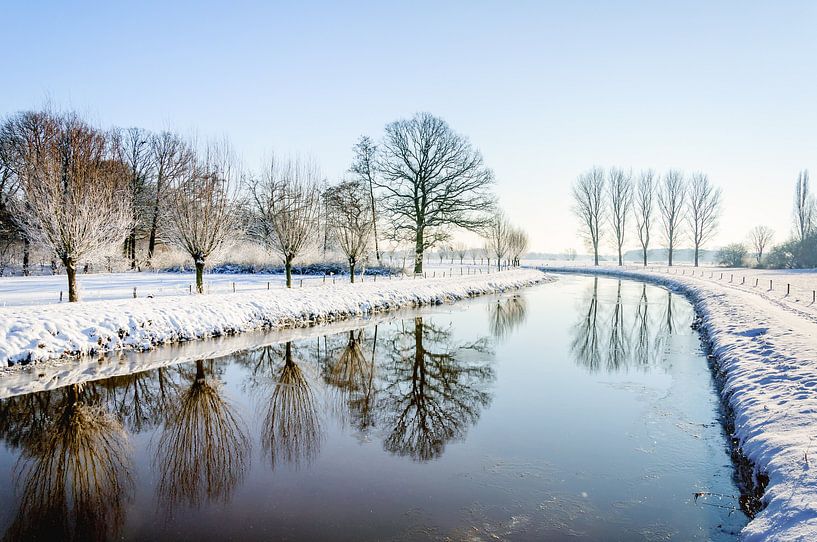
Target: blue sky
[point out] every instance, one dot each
(544, 89)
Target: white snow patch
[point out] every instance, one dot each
(44, 332)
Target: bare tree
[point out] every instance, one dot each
(644, 207)
(804, 207)
(286, 203)
(497, 238)
(517, 244)
(588, 197)
(620, 192)
(671, 197)
(760, 236)
(460, 250)
(75, 204)
(364, 167)
(350, 219)
(431, 179)
(201, 213)
(133, 150)
(172, 157)
(704, 206)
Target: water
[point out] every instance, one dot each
(582, 409)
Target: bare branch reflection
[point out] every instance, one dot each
(351, 376)
(292, 428)
(434, 389)
(506, 315)
(74, 472)
(203, 452)
(586, 341)
(604, 331)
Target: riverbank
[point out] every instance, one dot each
(37, 333)
(767, 353)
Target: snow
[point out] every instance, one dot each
(764, 344)
(37, 333)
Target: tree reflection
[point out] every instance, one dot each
(204, 448)
(434, 389)
(74, 472)
(292, 429)
(617, 347)
(604, 331)
(351, 375)
(506, 315)
(586, 343)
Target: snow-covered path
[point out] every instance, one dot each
(49, 331)
(767, 349)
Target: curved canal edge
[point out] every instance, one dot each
(39, 333)
(765, 363)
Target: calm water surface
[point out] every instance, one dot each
(581, 409)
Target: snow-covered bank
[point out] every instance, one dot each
(768, 355)
(46, 332)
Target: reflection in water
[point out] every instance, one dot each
(351, 376)
(585, 344)
(623, 343)
(291, 429)
(506, 314)
(434, 389)
(203, 452)
(74, 472)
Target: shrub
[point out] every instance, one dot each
(732, 255)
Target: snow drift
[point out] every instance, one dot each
(47, 332)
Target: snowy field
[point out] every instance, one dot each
(40, 332)
(46, 289)
(765, 344)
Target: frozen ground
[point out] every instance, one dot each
(46, 289)
(40, 332)
(765, 343)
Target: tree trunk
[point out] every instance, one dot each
(200, 376)
(288, 268)
(133, 249)
(352, 270)
(620, 258)
(696, 255)
(596, 253)
(669, 259)
(71, 271)
(418, 252)
(154, 225)
(26, 256)
(200, 275)
(374, 223)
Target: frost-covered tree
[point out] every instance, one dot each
(703, 210)
(431, 179)
(348, 211)
(364, 167)
(517, 244)
(75, 204)
(620, 194)
(804, 207)
(760, 237)
(497, 238)
(588, 206)
(644, 204)
(171, 156)
(671, 198)
(286, 205)
(133, 150)
(201, 212)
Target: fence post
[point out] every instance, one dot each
(813, 296)
(770, 285)
(302, 283)
(721, 277)
(190, 288)
(60, 296)
(234, 287)
(134, 292)
(731, 278)
(324, 279)
(743, 281)
(756, 281)
(788, 289)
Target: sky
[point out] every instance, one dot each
(545, 90)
